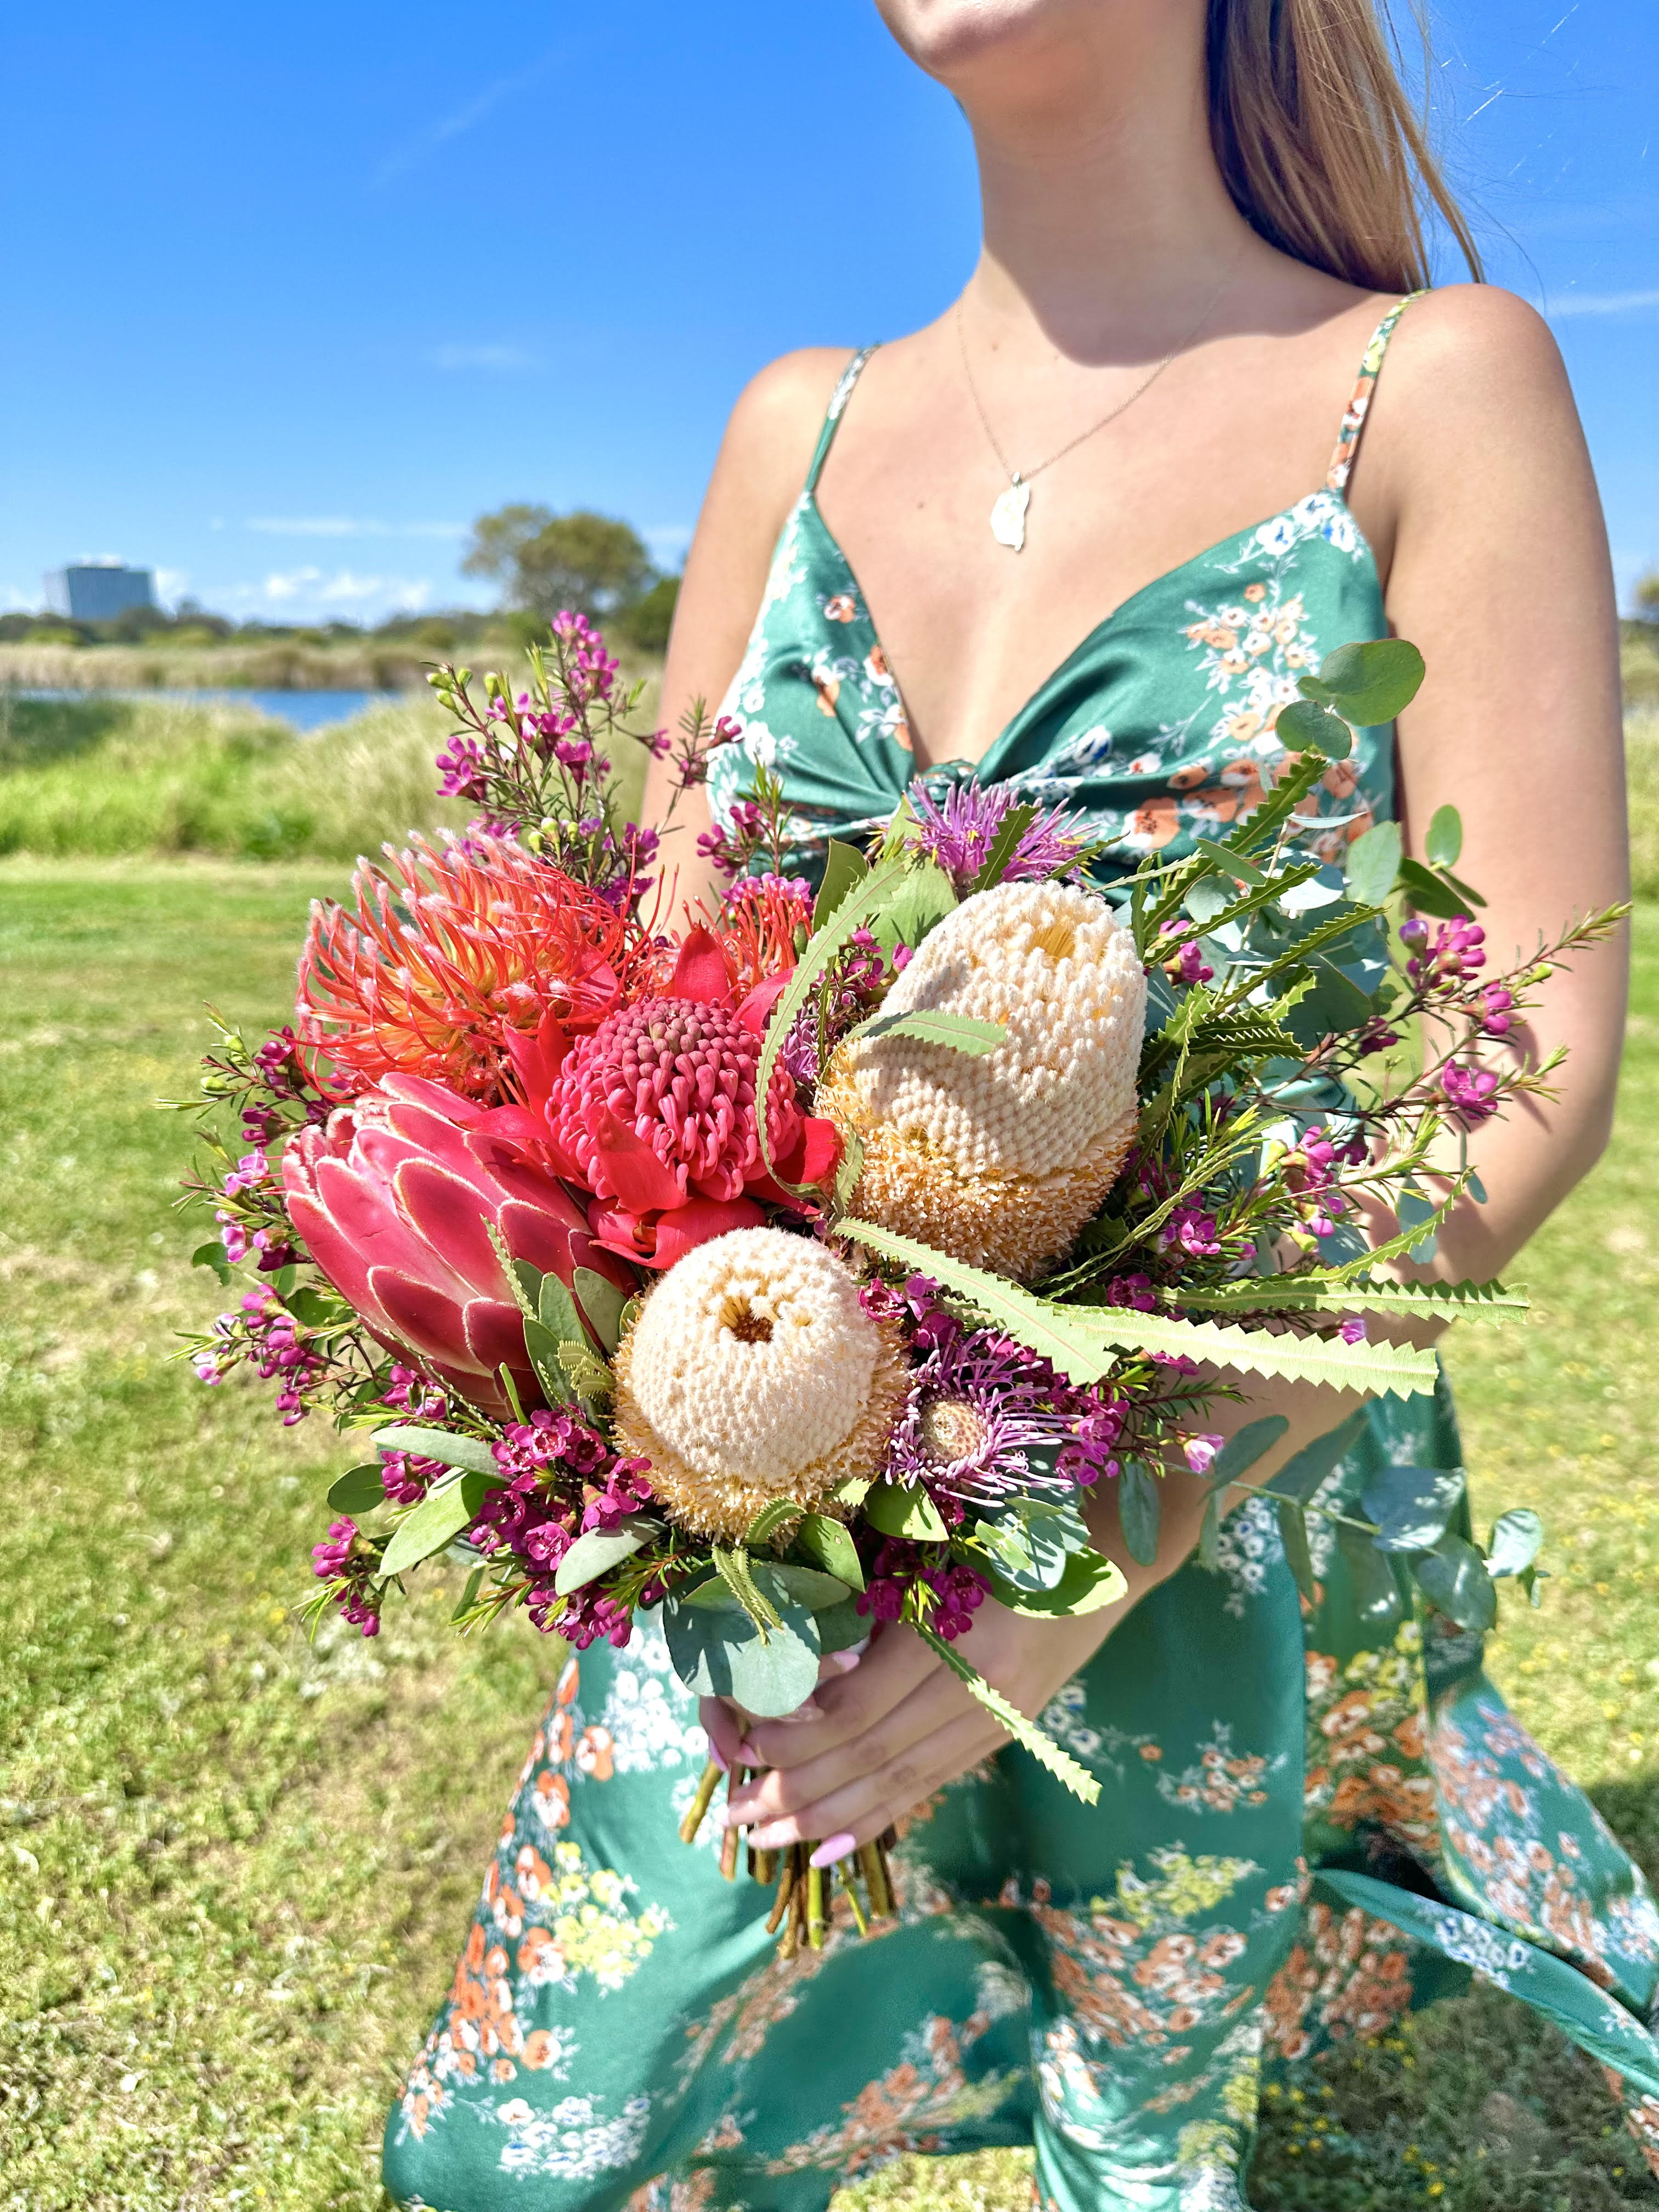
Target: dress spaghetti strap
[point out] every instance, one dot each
(1354, 423)
(838, 399)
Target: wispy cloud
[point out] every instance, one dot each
(171, 583)
(464, 118)
(291, 588)
(482, 356)
(1600, 303)
(349, 526)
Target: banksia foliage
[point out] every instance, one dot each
(447, 952)
(999, 1160)
(753, 1372)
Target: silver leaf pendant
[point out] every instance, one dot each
(1008, 516)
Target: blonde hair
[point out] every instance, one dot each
(1319, 142)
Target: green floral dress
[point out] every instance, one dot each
(1312, 1817)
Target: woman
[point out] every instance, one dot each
(1197, 219)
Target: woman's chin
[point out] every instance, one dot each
(949, 37)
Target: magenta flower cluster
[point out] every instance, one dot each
(263, 1333)
(344, 1560)
(958, 1591)
(1183, 958)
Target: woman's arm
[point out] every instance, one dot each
(1476, 475)
(758, 475)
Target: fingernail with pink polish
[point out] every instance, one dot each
(833, 1848)
(717, 1756)
(845, 1660)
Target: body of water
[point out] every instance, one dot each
(300, 710)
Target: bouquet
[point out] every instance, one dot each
(805, 1265)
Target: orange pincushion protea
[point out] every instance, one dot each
(450, 952)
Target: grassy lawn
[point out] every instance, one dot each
(233, 1870)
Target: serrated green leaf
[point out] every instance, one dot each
(920, 901)
(600, 1549)
(852, 1490)
(1369, 682)
(359, 1489)
(1229, 860)
(1083, 1341)
(899, 1510)
(440, 1516)
(544, 1350)
(1443, 841)
(831, 1544)
(590, 1377)
(734, 1567)
(1303, 724)
(1005, 843)
(847, 1172)
(844, 866)
(1060, 1764)
(470, 1452)
(960, 1032)
(1323, 1293)
(775, 1514)
(602, 1303)
(1138, 1511)
(1413, 1213)
(1373, 863)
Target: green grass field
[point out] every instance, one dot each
(234, 1869)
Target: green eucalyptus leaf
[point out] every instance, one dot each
(309, 1307)
(1453, 1578)
(212, 1254)
(1428, 892)
(1242, 1451)
(720, 1655)
(1378, 1596)
(1293, 1535)
(1411, 1505)
(918, 903)
(831, 1544)
(852, 1490)
(1517, 1537)
(441, 1515)
(899, 1510)
(359, 1489)
(844, 868)
(1091, 1581)
(602, 1303)
(806, 1587)
(1013, 1557)
(1303, 725)
(1369, 682)
(840, 1626)
(557, 1310)
(594, 1553)
(1373, 863)
(1301, 1476)
(1138, 1511)
(1209, 1534)
(470, 1452)
(1414, 1209)
(716, 1595)
(1443, 840)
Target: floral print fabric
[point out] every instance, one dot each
(1311, 1818)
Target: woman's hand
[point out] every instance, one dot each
(874, 1741)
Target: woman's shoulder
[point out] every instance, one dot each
(780, 410)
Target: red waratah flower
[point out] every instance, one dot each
(450, 952)
(395, 1198)
(655, 1113)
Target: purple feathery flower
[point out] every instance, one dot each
(980, 1406)
(959, 830)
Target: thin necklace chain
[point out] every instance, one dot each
(1025, 476)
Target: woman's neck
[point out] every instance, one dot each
(1106, 219)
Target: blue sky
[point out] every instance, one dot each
(296, 292)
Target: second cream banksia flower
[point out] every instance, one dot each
(999, 1160)
(753, 1372)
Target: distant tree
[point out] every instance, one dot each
(1647, 597)
(545, 561)
(647, 622)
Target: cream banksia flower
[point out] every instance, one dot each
(999, 1160)
(753, 1372)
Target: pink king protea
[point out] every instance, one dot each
(395, 1200)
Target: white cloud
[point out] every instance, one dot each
(171, 583)
(482, 356)
(1601, 303)
(349, 526)
(16, 602)
(462, 119)
(293, 591)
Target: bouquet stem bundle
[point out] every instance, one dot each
(800, 1906)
